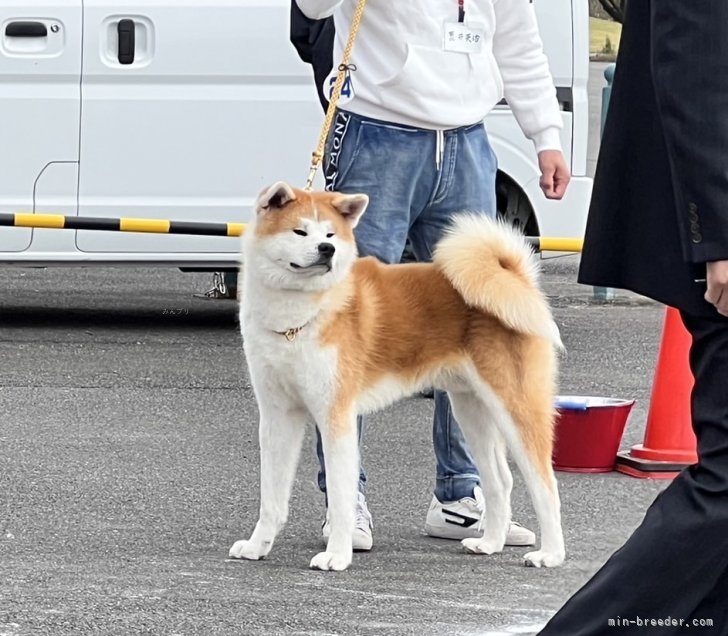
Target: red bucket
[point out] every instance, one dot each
(588, 433)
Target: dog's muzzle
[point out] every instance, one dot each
(326, 254)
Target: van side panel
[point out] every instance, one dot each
(39, 104)
(191, 107)
(214, 107)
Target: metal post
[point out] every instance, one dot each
(231, 282)
(605, 293)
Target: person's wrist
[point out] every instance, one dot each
(548, 139)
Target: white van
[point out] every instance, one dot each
(186, 110)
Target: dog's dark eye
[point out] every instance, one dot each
(330, 235)
(300, 232)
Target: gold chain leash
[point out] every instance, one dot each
(344, 68)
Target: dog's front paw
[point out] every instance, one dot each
(541, 558)
(247, 550)
(331, 561)
(481, 546)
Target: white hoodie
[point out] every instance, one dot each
(404, 75)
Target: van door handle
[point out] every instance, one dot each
(126, 30)
(26, 30)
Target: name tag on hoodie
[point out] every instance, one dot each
(463, 38)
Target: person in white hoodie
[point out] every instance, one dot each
(409, 133)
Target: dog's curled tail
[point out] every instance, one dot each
(493, 268)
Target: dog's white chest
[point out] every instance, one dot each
(301, 368)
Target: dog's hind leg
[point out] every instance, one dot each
(541, 483)
(281, 436)
(341, 456)
(527, 428)
(489, 452)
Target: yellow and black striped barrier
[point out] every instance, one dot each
(154, 226)
(161, 226)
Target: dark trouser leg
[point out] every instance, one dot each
(713, 610)
(677, 559)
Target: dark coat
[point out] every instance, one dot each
(659, 210)
(314, 42)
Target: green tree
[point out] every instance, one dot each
(608, 48)
(614, 8)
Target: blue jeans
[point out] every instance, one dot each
(415, 184)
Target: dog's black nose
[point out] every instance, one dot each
(326, 250)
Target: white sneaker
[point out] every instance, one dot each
(362, 538)
(464, 519)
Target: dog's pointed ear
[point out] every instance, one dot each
(275, 197)
(351, 206)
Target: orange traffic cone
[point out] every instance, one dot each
(669, 443)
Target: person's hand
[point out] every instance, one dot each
(555, 174)
(717, 278)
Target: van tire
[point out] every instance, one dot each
(514, 206)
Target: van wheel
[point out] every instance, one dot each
(514, 207)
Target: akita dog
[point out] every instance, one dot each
(328, 335)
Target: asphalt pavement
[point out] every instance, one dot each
(129, 465)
